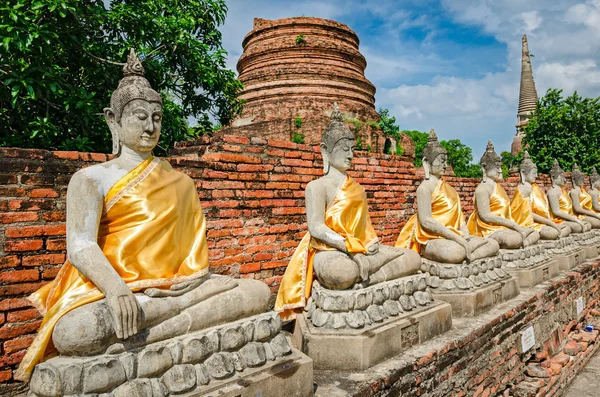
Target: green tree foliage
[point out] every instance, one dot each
(61, 59)
(567, 129)
(420, 139)
(388, 126)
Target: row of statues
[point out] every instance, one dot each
(137, 268)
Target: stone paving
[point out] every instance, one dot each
(587, 382)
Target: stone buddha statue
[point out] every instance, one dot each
(492, 216)
(582, 200)
(561, 206)
(438, 230)
(341, 248)
(137, 268)
(529, 207)
(594, 192)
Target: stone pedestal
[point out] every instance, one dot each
(567, 253)
(242, 358)
(530, 277)
(531, 265)
(356, 329)
(471, 288)
(589, 241)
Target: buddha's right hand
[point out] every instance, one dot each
(465, 244)
(124, 309)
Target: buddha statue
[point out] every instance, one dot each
(438, 230)
(561, 206)
(124, 285)
(341, 247)
(529, 207)
(492, 216)
(582, 200)
(594, 192)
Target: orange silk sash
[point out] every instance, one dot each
(348, 216)
(499, 206)
(521, 211)
(152, 231)
(445, 208)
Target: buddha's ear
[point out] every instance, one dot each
(522, 174)
(325, 155)
(483, 172)
(111, 120)
(426, 168)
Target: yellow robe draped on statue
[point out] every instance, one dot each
(565, 204)
(521, 211)
(539, 202)
(499, 206)
(586, 200)
(348, 216)
(445, 208)
(152, 231)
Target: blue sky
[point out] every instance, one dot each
(453, 65)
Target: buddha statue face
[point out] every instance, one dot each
(139, 127)
(438, 166)
(529, 175)
(341, 155)
(577, 177)
(491, 164)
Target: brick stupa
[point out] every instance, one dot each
(527, 97)
(293, 70)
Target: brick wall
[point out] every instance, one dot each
(252, 192)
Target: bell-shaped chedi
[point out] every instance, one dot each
(527, 97)
(293, 70)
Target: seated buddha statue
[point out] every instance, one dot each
(561, 206)
(594, 192)
(529, 207)
(137, 267)
(492, 216)
(341, 248)
(438, 230)
(582, 200)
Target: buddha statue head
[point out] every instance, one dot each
(577, 177)
(337, 143)
(435, 157)
(594, 179)
(491, 163)
(135, 112)
(557, 175)
(527, 169)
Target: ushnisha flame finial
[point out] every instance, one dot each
(336, 114)
(433, 148)
(133, 67)
(489, 156)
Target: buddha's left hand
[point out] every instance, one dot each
(176, 289)
(373, 249)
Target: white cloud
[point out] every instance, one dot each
(532, 20)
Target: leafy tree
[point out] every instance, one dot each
(510, 162)
(388, 126)
(460, 157)
(420, 140)
(61, 59)
(567, 129)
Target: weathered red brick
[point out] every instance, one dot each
(45, 259)
(14, 217)
(9, 331)
(23, 245)
(22, 315)
(14, 303)
(34, 231)
(56, 244)
(37, 193)
(19, 276)
(5, 375)
(9, 261)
